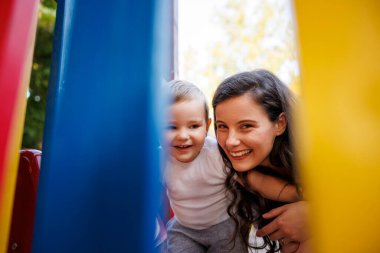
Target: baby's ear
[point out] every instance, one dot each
(281, 123)
(208, 123)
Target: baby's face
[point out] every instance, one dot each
(186, 130)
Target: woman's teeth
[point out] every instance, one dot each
(240, 153)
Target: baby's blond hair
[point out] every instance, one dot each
(185, 91)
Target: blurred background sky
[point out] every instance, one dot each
(218, 38)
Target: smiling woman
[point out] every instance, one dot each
(254, 132)
(246, 133)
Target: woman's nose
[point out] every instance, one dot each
(232, 139)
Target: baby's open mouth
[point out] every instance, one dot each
(182, 146)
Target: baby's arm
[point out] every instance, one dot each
(272, 187)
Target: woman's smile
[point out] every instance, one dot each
(240, 154)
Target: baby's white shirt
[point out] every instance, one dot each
(196, 189)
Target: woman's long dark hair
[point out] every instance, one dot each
(247, 206)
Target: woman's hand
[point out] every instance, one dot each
(296, 247)
(290, 223)
(291, 247)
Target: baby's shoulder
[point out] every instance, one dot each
(210, 149)
(210, 143)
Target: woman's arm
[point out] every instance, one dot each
(272, 187)
(296, 247)
(290, 222)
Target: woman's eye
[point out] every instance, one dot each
(246, 126)
(221, 126)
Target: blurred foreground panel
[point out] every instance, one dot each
(340, 156)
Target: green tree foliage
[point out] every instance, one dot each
(35, 111)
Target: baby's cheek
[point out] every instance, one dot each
(168, 138)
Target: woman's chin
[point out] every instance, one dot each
(243, 164)
(241, 168)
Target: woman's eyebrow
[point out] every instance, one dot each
(240, 121)
(247, 121)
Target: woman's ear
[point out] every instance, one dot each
(281, 124)
(208, 123)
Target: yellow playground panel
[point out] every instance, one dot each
(339, 45)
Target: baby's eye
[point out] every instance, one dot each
(171, 127)
(194, 126)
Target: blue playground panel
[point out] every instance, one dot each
(99, 178)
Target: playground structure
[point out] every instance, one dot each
(98, 188)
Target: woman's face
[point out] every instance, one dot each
(245, 132)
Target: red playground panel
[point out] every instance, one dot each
(21, 233)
